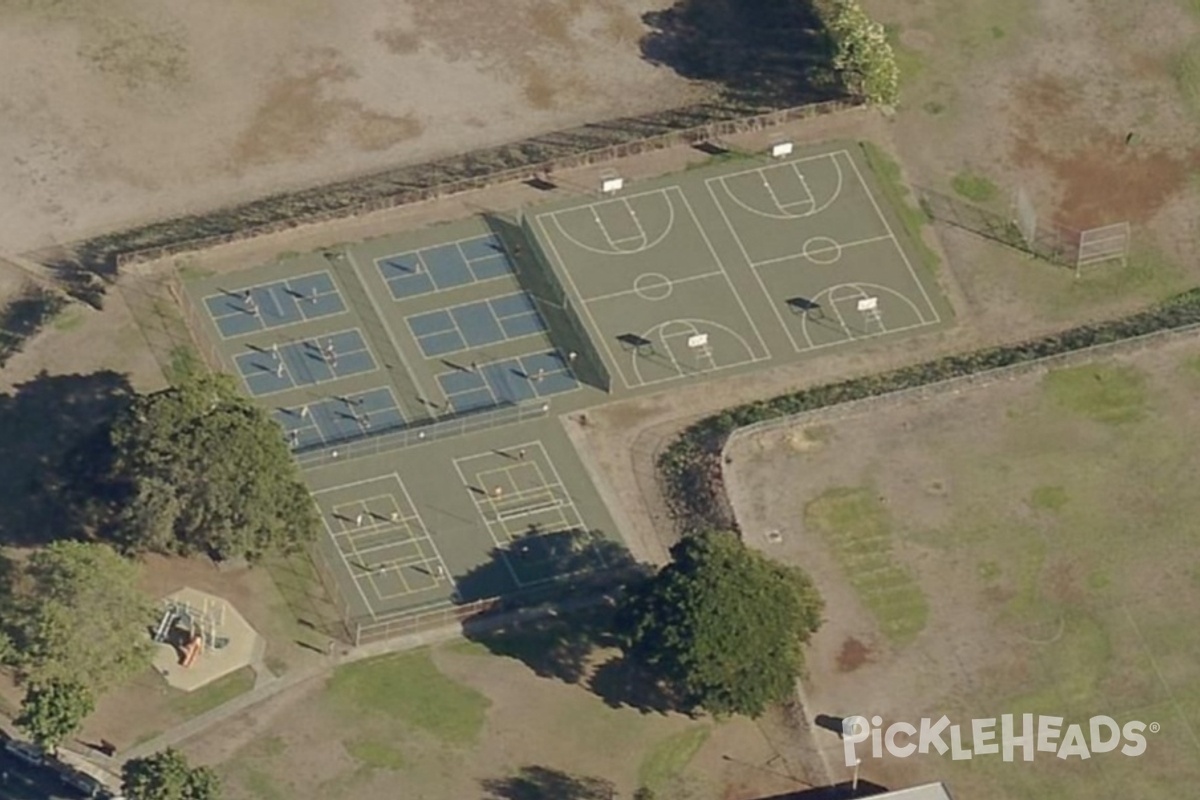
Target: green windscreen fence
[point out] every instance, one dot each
(538, 277)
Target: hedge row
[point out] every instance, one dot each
(690, 467)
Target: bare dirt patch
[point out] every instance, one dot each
(129, 111)
(1042, 96)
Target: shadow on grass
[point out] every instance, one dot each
(577, 639)
(762, 52)
(543, 783)
(45, 423)
(841, 791)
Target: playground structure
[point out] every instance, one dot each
(202, 638)
(199, 624)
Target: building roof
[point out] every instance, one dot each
(929, 791)
(866, 789)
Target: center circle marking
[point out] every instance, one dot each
(822, 250)
(653, 286)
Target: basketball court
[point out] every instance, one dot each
(814, 236)
(420, 378)
(724, 269)
(643, 267)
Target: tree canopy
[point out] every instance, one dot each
(52, 711)
(166, 775)
(77, 616)
(199, 468)
(723, 626)
(864, 56)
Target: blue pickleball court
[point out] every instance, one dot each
(446, 266)
(274, 305)
(304, 363)
(508, 381)
(339, 418)
(477, 324)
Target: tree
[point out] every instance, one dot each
(77, 616)
(722, 625)
(52, 711)
(199, 468)
(864, 56)
(166, 775)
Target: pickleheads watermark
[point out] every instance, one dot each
(1027, 734)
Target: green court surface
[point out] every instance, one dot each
(403, 369)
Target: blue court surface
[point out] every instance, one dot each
(287, 366)
(339, 418)
(477, 324)
(273, 305)
(444, 267)
(508, 381)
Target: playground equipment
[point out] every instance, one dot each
(199, 624)
(192, 650)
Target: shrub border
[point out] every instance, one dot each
(690, 468)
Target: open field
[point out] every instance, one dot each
(458, 722)
(1025, 547)
(129, 110)
(1001, 95)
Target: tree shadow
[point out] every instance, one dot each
(45, 423)
(841, 791)
(772, 53)
(543, 783)
(624, 682)
(581, 625)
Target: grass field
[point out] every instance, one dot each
(458, 721)
(1048, 524)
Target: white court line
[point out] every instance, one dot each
(750, 263)
(393, 475)
(1158, 672)
(417, 251)
(888, 332)
(811, 202)
(904, 256)
(670, 224)
(816, 209)
(672, 281)
(346, 565)
(387, 329)
(559, 482)
(491, 534)
(717, 260)
(841, 246)
(388, 545)
(285, 281)
(596, 330)
(753, 359)
(633, 215)
(833, 303)
(423, 536)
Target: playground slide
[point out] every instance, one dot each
(192, 651)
